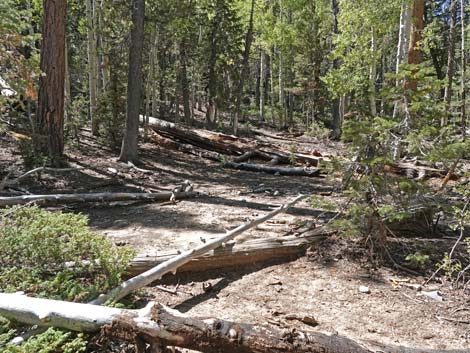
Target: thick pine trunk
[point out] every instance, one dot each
(134, 83)
(414, 51)
(50, 115)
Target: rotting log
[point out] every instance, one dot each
(234, 255)
(414, 171)
(185, 147)
(161, 326)
(210, 140)
(176, 262)
(225, 144)
(273, 170)
(94, 197)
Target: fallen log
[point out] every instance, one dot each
(234, 255)
(210, 140)
(184, 147)
(176, 262)
(225, 144)
(160, 326)
(93, 197)
(414, 171)
(273, 170)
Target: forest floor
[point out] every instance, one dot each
(324, 285)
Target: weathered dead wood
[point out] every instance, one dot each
(234, 255)
(224, 144)
(159, 325)
(176, 262)
(93, 197)
(184, 147)
(213, 141)
(414, 171)
(273, 170)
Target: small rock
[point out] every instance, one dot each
(112, 170)
(364, 289)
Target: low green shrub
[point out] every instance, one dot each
(54, 255)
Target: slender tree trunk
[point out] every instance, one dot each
(92, 64)
(184, 83)
(258, 80)
(134, 84)
(450, 62)
(211, 83)
(50, 115)
(372, 76)
(464, 71)
(244, 69)
(403, 44)
(67, 92)
(335, 108)
(262, 84)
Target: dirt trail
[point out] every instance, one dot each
(324, 285)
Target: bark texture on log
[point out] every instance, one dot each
(94, 197)
(273, 170)
(226, 144)
(234, 255)
(156, 324)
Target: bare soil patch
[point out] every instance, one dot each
(323, 285)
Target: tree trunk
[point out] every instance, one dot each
(244, 69)
(50, 115)
(92, 64)
(450, 62)
(335, 108)
(134, 83)
(414, 52)
(262, 84)
(184, 83)
(159, 326)
(55, 199)
(372, 75)
(464, 71)
(236, 254)
(273, 170)
(403, 43)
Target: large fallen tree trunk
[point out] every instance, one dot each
(93, 197)
(160, 326)
(273, 170)
(176, 262)
(234, 255)
(226, 144)
(206, 139)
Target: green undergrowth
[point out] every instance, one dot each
(54, 255)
